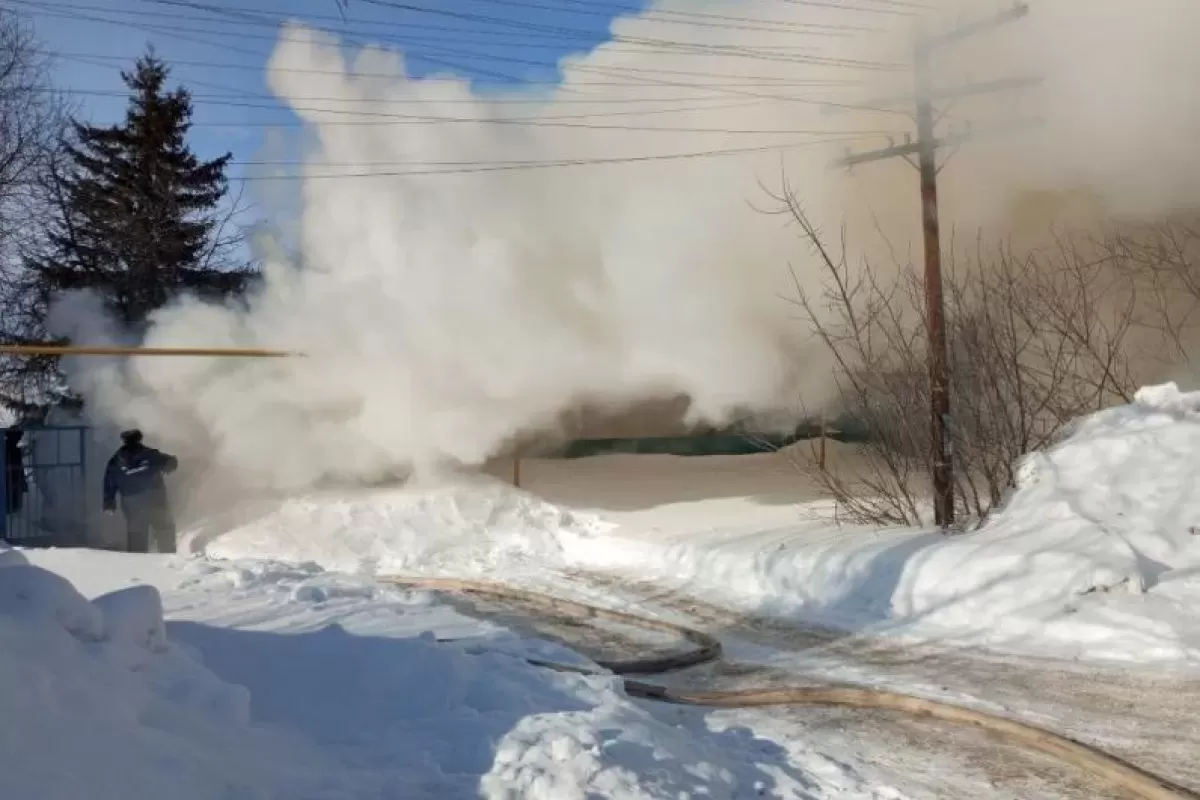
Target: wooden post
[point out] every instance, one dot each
(938, 358)
(824, 438)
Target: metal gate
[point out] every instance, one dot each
(44, 491)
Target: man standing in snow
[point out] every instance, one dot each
(136, 472)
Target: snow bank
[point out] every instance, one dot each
(100, 702)
(9, 556)
(1095, 554)
(479, 527)
(1112, 508)
(96, 705)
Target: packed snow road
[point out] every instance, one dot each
(1151, 723)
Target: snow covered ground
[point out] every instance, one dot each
(285, 681)
(1095, 557)
(269, 663)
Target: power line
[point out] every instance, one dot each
(894, 7)
(715, 49)
(229, 16)
(598, 70)
(683, 18)
(176, 33)
(724, 90)
(260, 18)
(186, 35)
(738, 92)
(631, 75)
(696, 19)
(534, 122)
(655, 13)
(225, 100)
(759, 81)
(702, 18)
(441, 60)
(911, 6)
(485, 167)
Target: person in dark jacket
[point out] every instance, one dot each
(136, 472)
(15, 484)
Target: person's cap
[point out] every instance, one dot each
(132, 436)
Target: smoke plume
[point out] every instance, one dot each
(452, 294)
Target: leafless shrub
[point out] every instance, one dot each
(1163, 261)
(1037, 340)
(33, 117)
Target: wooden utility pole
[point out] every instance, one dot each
(926, 150)
(939, 357)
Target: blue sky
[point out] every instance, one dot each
(220, 47)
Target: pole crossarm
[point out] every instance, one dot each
(1014, 83)
(928, 44)
(910, 148)
(191, 352)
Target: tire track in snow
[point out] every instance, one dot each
(1149, 719)
(918, 749)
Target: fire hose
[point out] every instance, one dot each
(1131, 779)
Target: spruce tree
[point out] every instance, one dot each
(139, 213)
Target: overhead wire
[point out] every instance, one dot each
(694, 19)
(556, 30)
(714, 49)
(895, 7)
(608, 9)
(548, 120)
(683, 18)
(631, 75)
(753, 82)
(71, 11)
(642, 102)
(224, 15)
(444, 168)
(485, 167)
(187, 36)
(535, 122)
(429, 167)
(257, 17)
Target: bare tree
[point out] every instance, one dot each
(33, 117)
(1164, 260)
(1037, 340)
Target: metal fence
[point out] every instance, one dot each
(45, 486)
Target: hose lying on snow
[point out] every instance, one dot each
(1135, 781)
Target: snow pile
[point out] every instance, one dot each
(1095, 554)
(1115, 504)
(483, 527)
(9, 556)
(97, 705)
(104, 700)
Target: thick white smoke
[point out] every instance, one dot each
(444, 313)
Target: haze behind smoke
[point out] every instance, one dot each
(444, 314)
